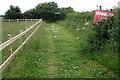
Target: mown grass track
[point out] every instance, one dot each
(53, 52)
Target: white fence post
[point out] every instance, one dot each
(9, 20)
(17, 20)
(21, 38)
(10, 46)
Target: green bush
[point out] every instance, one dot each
(106, 32)
(100, 43)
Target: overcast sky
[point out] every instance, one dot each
(78, 5)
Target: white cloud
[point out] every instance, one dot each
(78, 5)
(118, 4)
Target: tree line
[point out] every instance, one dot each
(47, 11)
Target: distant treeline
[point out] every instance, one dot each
(47, 11)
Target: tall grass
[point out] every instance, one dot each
(13, 28)
(47, 56)
(96, 42)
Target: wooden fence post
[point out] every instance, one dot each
(34, 27)
(21, 38)
(9, 20)
(10, 46)
(17, 20)
(26, 32)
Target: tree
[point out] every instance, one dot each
(68, 10)
(46, 11)
(47, 6)
(29, 14)
(13, 13)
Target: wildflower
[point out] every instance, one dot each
(83, 28)
(78, 29)
(77, 38)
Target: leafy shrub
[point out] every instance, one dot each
(100, 43)
(106, 32)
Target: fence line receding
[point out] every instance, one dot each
(11, 40)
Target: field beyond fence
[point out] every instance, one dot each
(11, 39)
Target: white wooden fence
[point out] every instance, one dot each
(11, 40)
(10, 20)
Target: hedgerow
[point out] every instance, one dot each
(100, 43)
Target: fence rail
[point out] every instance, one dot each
(10, 20)
(5, 44)
(12, 40)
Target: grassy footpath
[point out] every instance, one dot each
(53, 52)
